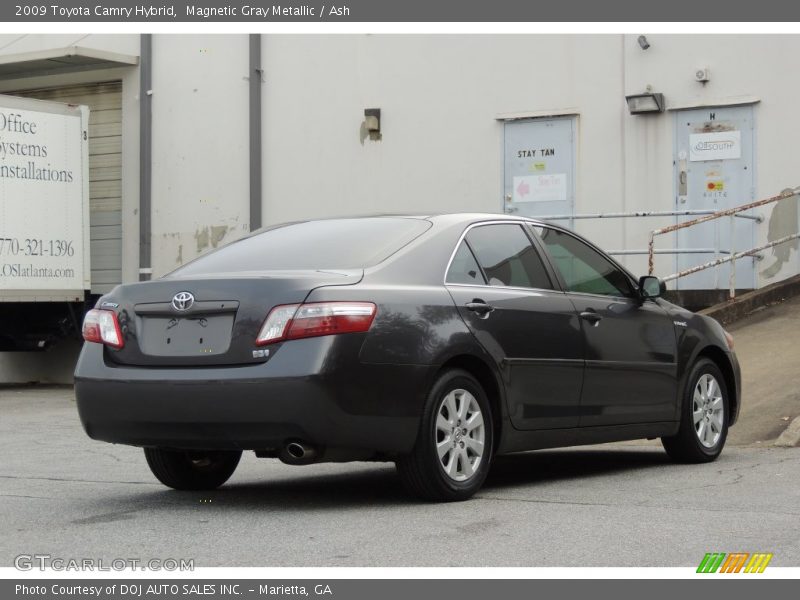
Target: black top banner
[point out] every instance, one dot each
(464, 11)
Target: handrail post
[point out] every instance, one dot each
(733, 261)
(650, 253)
(716, 253)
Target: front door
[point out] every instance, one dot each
(539, 167)
(714, 171)
(505, 296)
(631, 366)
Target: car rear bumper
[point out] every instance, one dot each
(299, 394)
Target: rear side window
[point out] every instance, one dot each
(583, 268)
(314, 245)
(507, 256)
(464, 268)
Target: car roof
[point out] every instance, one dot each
(445, 218)
(478, 216)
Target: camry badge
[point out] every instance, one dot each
(182, 301)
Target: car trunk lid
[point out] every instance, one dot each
(206, 321)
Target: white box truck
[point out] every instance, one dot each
(44, 221)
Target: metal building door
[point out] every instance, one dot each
(539, 167)
(714, 171)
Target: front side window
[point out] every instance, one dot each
(507, 257)
(583, 269)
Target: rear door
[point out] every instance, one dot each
(505, 295)
(631, 368)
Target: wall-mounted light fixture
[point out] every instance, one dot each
(372, 122)
(639, 104)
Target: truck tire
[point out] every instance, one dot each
(453, 451)
(192, 470)
(704, 416)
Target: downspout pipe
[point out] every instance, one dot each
(255, 77)
(145, 155)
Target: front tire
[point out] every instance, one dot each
(192, 470)
(704, 416)
(451, 457)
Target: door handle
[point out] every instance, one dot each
(480, 307)
(591, 316)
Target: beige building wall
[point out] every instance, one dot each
(443, 100)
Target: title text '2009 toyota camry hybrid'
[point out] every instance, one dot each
(435, 342)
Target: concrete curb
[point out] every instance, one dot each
(727, 312)
(790, 438)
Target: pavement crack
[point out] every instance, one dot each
(535, 501)
(68, 480)
(24, 496)
(107, 517)
(734, 509)
(737, 479)
(104, 453)
(737, 473)
(645, 505)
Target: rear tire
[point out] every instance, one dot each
(192, 470)
(451, 457)
(704, 416)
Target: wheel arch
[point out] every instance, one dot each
(481, 371)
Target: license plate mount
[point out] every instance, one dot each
(196, 335)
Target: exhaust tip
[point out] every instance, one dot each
(295, 450)
(299, 453)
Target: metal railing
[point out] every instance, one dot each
(704, 216)
(732, 213)
(670, 251)
(652, 213)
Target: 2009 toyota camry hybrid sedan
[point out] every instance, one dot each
(435, 342)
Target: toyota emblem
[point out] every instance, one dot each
(182, 301)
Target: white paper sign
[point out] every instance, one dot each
(720, 145)
(540, 188)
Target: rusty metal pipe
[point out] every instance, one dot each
(722, 213)
(651, 213)
(732, 257)
(726, 212)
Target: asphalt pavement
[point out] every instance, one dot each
(616, 505)
(766, 343)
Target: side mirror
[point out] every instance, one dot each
(649, 287)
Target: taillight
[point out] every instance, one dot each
(293, 321)
(102, 327)
(276, 324)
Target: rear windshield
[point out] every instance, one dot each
(315, 245)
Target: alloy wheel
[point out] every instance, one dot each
(460, 435)
(708, 410)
